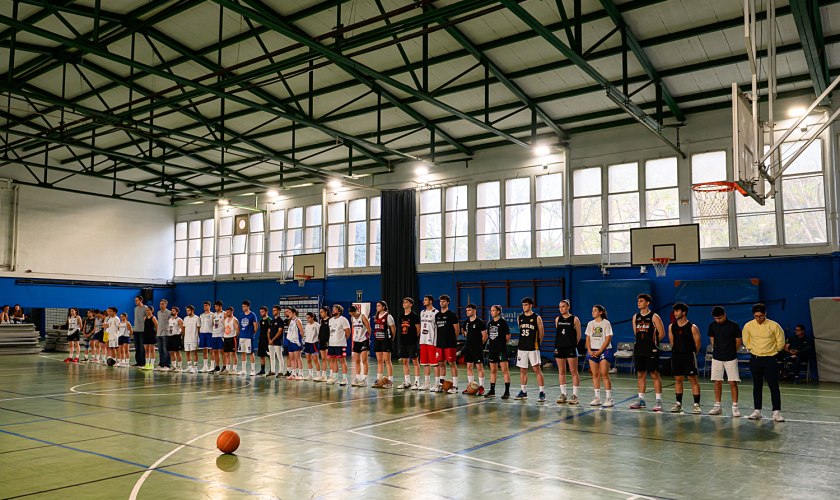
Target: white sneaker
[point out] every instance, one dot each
(424, 387)
(243, 372)
(204, 370)
(404, 385)
(331, 380)
(715, 410)
(736, 412)
(609, 403)
(317, 378)
(416, 386)
(613, 370)
(307, 378)
(595, 402)
(253, 373)
(453, 390)
(165, 369)
(777, 416)
(299, 377)
(434, 388)
(362, 383)
(756, 415)
(343, 382)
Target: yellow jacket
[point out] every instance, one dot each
(766, 339)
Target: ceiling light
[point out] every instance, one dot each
(273, 193)
(796, 112)
(224, 201)
(421, 170)
(335, 184)
(542, 151)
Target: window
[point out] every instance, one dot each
(207, 246)
(181, 249)
(803, 196)
(623, 202)
(335, 234)
(456, 224)
(312, 238)
(518, 218)
(256, 245)
(194, 248)
(225, 245)
(550, 215)
(430, 226)
(276, 239)
(710, 167)
(239, 250)
(488, 221)
(375, 230)
(662, 196)
(294, 233)
(756, 224)
(357, 233)
(586, 211)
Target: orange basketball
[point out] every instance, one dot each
(227, 442)
(472, 388)
(447, 384)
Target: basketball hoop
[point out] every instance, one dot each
(302, 279)
(712, 200)
(660, 264)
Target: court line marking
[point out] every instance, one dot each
(96, 393)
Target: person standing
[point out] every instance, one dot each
(725, 336)
(528, 355)
(337, 353)
(361, 344)
(324, 342)
(476, 332)
(498, 334)
(764, 338)
(429, 354)
(447, 342)
(649, 331)
(409, 348)
(149, 338)
(139, 320)
(685, 344)
(262, 348)
(205, 337)
(217, 340)
(163, 317)
(384, 329)
(275, 340)
(247, 330)
(598, 336)
(231, 332)
(565, 351)
(175, 340)
(192, 325)
(798, 350)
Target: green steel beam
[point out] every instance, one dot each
(806, 14)
(88, 193)
(616, 17)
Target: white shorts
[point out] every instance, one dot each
(730, 367)
(113, 342)
(245, 346)
(190, 346)
(527, 359)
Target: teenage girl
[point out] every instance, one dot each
(74, 327)
(310, 345)
(293, 335)
(149, 338)
(4, 316)
(125, 338)
(87, 327)
(598, 336)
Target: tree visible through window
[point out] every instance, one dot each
(586, 211)
(518, 218)
(550, 215)
(488, 221)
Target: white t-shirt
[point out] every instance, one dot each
(428, 327)
(112, 326)
(292, 333)
(174, 327)
(337, 327)
(360, 333)
(230, 327)
(191, 324)
(311, 333)
(218, 324)
(73, 324)
(123, 328)
(598, 333)
(206, 322)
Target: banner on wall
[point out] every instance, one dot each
(511, 315)
(303, 304)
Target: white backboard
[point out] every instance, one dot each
(681, 244)
(313, 264)
(746, 134)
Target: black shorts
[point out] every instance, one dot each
(324, 342)
(98, 336)
(561, 352)
(174, 343)
(229, 344)
(73, 337)
(497, 357)
(474, 354)
(149, 338)
(410, 351)
(262, 349)
(382, 345)
(360, 347)
(646, 363)
(684, 364)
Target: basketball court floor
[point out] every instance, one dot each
(133, 434)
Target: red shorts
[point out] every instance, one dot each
(447, 354)
(429, 355)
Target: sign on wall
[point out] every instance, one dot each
(303, 304)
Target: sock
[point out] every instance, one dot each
(481, 381)
(454, 381)
(378, 376)
(733, 405)
(563, 390)
(492, 386)
(609, 393)
(575, 389)
(523, 389)
(426, 379)
(310, 373)
(470, 379)
(343, 376)
(679, 398)
(391, 378)
(417, 379)
(542, 388)
(641, 396)
(407, 379)
(324, 374)
(597, 393)
(507, 386)
(717, 403)
(696, 399)
(332, 374)
(658, 397)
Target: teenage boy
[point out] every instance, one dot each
(361, 345)
(725, 336)
(649, 331)
(429, 355)
(764, 338)
(112, 328)
(531, 333)
(262, 350)
(685, 344)
(231, 332)
(476, 332)
(217, 341)
(498, 333)
(447, 342)
(247, 328)
(205, 338)
(192, 324)
(384, 329)
(275, 340)
(137, 328)
(163, 317)
(339, 333)
(409, 348)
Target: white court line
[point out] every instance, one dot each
(542, 475)
(96, 393)
(44, 396)
(139, 484)
(418, 416)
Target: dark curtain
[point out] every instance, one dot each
(398, 263)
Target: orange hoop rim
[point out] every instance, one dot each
(717, 187)
(303, 277)
(661, 260)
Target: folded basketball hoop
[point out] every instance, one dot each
(302, 278)
(712, 200)
(660, 264)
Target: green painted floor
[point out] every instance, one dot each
(85, 431)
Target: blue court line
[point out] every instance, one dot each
(144, 467)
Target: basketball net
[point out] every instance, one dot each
(660, 264)
(712, 199)
(301, 279)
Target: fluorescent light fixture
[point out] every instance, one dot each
(335, 184)
(542, 151)
(224, 201)
(273, 193)
(421, 170)
(796, 112)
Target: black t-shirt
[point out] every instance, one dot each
(497, 332)
(446, 337)
(683, 339)
(566, 334)
(529, 332)
(473, 331)
(276, 325)
(265, 326)
(724, 335)
(324, 333)
(408, 328)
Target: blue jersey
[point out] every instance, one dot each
(247, 324)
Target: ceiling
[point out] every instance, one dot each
(178, 100)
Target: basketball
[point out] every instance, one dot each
(447, 384)
(472, 388)
(227, 442)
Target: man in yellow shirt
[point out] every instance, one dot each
(764, 338)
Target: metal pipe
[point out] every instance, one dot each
(808, 142)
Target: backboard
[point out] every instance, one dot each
(680, 243)
(312, 264)
(746, 136)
